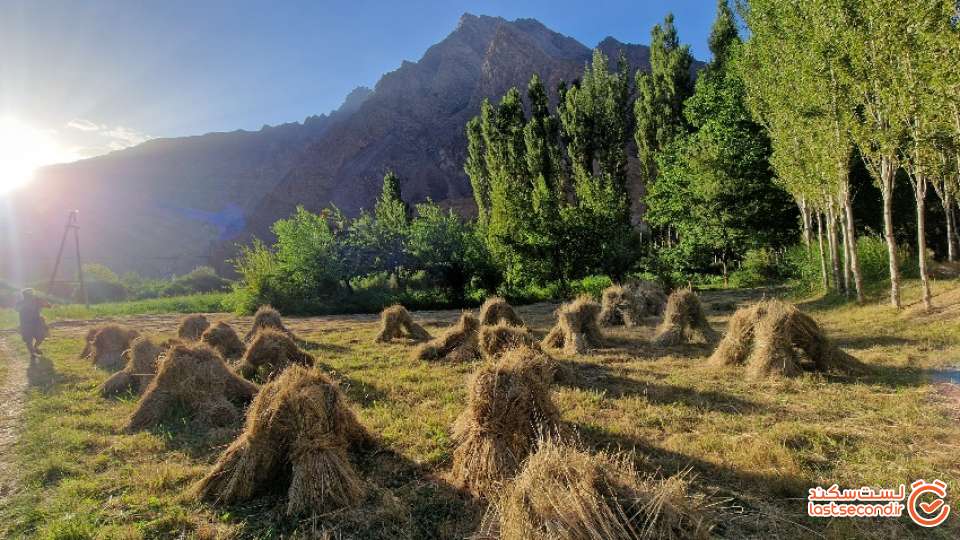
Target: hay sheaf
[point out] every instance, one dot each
(496, 310)
(108, 345)
(620, 307)
(269, 354)
(459, 343)
(396, 322)
(298, 431)
(141, 367)
(193, 380)
(577, 329)
(650, 297)
(564, 493)
(498, 339)
(683, 321)
(88, 342)
(224, 339)
(737, 343)
(192, 327)
(787, 341)
(267, 317)
(509, 409)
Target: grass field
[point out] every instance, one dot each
(754, 447)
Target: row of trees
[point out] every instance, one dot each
(876, 79)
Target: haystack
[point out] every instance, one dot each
(496, 310)
(498, 339)
(775, 338)
(224, 339)
(269, 354)
(141, 366)
(564, 493)
(193, 380)
(192, 327)
(109, 342)
(88, 342)
(508, 410)
(650, 297)
(396, 322)
(297, 436)
(577, 329)
(267, 317)
(460, 343)
(621, 307)
(683, 321)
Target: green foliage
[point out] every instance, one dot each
(802, 268)
(102, 285)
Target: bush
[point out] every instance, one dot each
(101, 284)
(803, 269)
(592, 285)
(759, 267)
(202, 279)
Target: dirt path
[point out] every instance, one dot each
(12, 397)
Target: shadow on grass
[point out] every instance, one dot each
(316, 346)
(597, 377)
(41, 374)
(897, 377)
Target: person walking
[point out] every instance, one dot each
(33, 329)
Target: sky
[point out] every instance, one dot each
(88, 77)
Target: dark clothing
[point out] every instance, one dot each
(32, 325)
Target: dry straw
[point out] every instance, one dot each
(564, 493)
(577, 329)
(498, 339)
(508, 410)
(269, 354)
(496, 310)
(192, 327)
(88, 342)
(683, 321)
(267, 317)
(224, 339)
(108, 345)
(619, 307)
(459, 343)
(139, 371)
(298, 431)
(396, 322)
(193, 380)
(650, 297)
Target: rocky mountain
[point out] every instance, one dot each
(170, 204)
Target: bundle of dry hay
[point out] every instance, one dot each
(269, 354)
(563, 493)
(192, 327)
(508, 410)
(267, 317)
(460, 343)
(620, 306)
(650, 297)
(775, 338)
(224, 339)
(396, 322)
(683, 321)
(88, 342)
(577, 329)
(193, 379)
(298, 429)
(108, 345)
(141, 366)
(498, 339)
(496, 310)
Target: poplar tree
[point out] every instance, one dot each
(660, 95)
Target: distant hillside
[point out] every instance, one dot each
(167, 205)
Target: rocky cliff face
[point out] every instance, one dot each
(169, 205)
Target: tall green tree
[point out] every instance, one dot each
(660, 95)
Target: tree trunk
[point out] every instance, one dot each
(846, 254)
(833, 244)
(805, 217)
(948, 213)
(823, 256)
(920, 192)
(888, 173)
(852, 238)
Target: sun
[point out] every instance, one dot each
(23, 149)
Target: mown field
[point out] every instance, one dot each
(753, 448)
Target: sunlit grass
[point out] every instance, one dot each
(195, 303)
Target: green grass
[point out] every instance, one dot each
(754, 447)
(195, 303)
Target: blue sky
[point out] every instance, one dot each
(116, 72)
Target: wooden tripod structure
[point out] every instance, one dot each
(72, 225)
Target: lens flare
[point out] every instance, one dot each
(24, 149)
